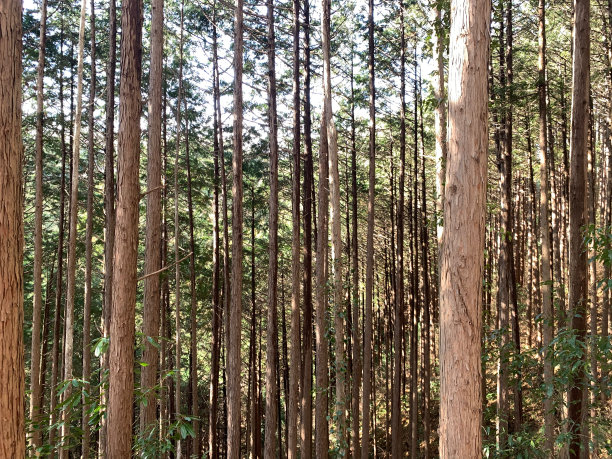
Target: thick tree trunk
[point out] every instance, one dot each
(12, 378)
(121, 382)
(462, 261)
(235, 310)
(35, 390)
(152, 289)
(578, 213)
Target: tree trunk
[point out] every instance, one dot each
(578, 214)
(35, 390)
(369, 289)
(462, 261)
(85, 445)
(306, 370)
(12, 396)
(295, 233)
(546, 287)
(109, 206)
(72, 234)
(152, 290)
(213, 444)
(235, 310)
(177, 244)
(121, 382)
(396, 430)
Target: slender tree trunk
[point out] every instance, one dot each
(322, 353)
(213, 444)
(85, 444)
(369, 289)
(578, 214)
(152, 289)
(329, 130)
(440, 118)
(177, 244)
(306, 370)
(121, 383)
(72, 235)
(12, 378)
(55, 365)
(109, 206)
(235, 311)
(396, 430)
(546, 287)
(356, 329)
(462, 261)
(293, 395)
(426, 287)
(35, 389)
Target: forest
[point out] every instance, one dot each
(287, 228)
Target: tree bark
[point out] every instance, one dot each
(336, 226)
(578, 214)
(462, 261)
(35, 390)
(72, 234)
(121, 382)
(152, 289)
(12, 377)
(546, 287)
(306, 370)
(109, 206)
(369, 289)
(85, 444)
(235, 310)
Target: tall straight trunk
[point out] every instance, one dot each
(235, 310)
(12, 372)
(85, 444)
(578, 214)
(152, 289)
(440, 118)
(109, 205)
(396, 430)
(55, 360)
(322, 352)
(45, 342)
(306, 369)
(292, 421)
(415, 294)
(461, 252)
(177, 244)
(121, 382)
(546, 287)
(356, 329)
(369, 289)
(35, 390)
(254, 420)
(72, 234)
(329, 130)
(213, 443)
(194, 443)
(426, 286)
(504, 165)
